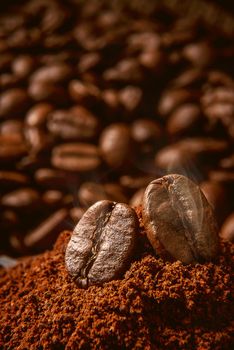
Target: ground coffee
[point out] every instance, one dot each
(157, 304)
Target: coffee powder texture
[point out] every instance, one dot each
(157, 304)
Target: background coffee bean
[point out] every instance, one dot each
(177, 215)
(76, 157)
(102, 243)
(227, 229)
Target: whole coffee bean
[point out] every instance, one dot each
(178, 217)
(184, 120)
(76, 157)
(23, 65)
(116, 144)
(102, 243)
(37, 115)
(11, 148)
(37, 139)
(52, 199)
(12, 127)
(227, 229)
(137, 198)
(173, 98)
(13, 102)
(84, 93)
(190, 78)
(54, 73)
(130, 98)
(200, 54)
(76, 123)
(146, 130)
(40, 91)
(24, 199)
(217, 197)
(46, 233)
(90, 193)
(12, 179)
(55, 179)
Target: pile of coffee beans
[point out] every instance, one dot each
(97, 101)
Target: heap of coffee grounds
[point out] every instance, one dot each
(157, 304)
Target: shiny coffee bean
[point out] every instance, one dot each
(12, 179)
(40, 91)
(178, 217)
(116, 144)
(146, 130)
(76, 157)
(54, 73)
(11, 148)
(102, 243)
(77, 123)
(54, 179)
(84, 93)
(23, 65)
(173, 98)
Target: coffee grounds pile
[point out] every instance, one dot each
(157, 304)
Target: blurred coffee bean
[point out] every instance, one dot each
(13, 102)
(52, 198)
(41, 91)
(192, 77)
(88, 61)
(223, 176)
(116, 144)
(23, 199)
(90, 193)
(7, 262)
(76, 157)
(77, 123)
(37, 115)
(5, 61)
(52, 74)
(23, 65)
(84, 93)
(76, 214)
(12, 179)
(137, 198)
(9, 221)
(54, 179)
(227, 229)
(45, 234)
(146, 130)
(217, 197)
(130, 98)
(12, 128)
(200, 54)
(184, 120)
(228, 162)
(37, 139)
(127, 70)
(11, 148)
(173, 98)
(135, 182)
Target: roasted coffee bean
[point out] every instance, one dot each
(227, 229)
(200, 54)
(52, 74)
(77, 123)
(90, 193)
(177, 216)
(9, 220)
(137, 198)
(11, 148)
(41, 91)
(76, 157)
(127, 70)
(12, 179)
(84, 93)
(146, 131)
(45, 234)
(52, 199)
(54, 179)
(217, 197)
(89, 61)
(184, 120)
(7, 262)
(37, 139)
(24, 199)
(116, 144)
(222, 176)
(173, 98)
(76, 214)
(22, 66)
(12, 127)
(38, 114)
(13, 102)
(102, 243)
(190, 78)
(135, 182)
(130, 98)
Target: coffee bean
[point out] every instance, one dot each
(11, 148)
(102, 243)
(137, 198)
(84, 93)
(184, 120)
(172, 99)
(46, 233)
(22, 66)
(13, 102)
(24, 199)
(177, 216)
(12, 179)
(227, 229)
(146, 131)
(7, 262)
(55, 179)
(200, 54)
(56, 73)
(90, 193)
(116, 144)
(40, 91)
(37, 139)
(130, 98)
(76, 157)
(37, 115)
(76, 123)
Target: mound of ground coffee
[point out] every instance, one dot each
(157, 304)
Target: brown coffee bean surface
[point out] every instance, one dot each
(102, 243)
(178, 217)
